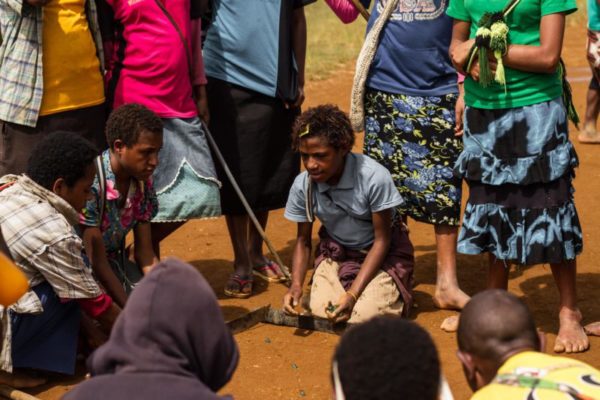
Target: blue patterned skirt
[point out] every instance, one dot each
(413, 137)
(185, 180)
(519, 164)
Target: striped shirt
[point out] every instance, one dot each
(21, 73)
(39, 229)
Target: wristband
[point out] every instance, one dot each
(354, 296)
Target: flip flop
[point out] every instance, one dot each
(261, 271)
(242, 283)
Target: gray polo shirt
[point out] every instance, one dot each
(345, 210)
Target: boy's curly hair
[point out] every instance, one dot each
(63, 155)
(326, 121)
(128, 121)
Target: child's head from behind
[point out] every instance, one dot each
(323, 136)
(135, 136)
(63, 163)
(386, 358)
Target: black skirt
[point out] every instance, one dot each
(253, 132)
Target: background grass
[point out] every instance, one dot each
(332, 45)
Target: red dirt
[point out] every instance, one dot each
(281, 363)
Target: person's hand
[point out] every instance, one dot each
(292, 299)
(475, 69)
(202, 104)
(459, 110)
(343, 309)
(299, 99)
(459, 55)
(37, 3)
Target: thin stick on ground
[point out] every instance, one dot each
(244, 202)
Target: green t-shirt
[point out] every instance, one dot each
(522, 88)
(593, 15)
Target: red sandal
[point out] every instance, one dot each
(244, 287)
(262, 271)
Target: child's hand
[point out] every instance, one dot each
(343, 309)
(292, 299)
(459, 55)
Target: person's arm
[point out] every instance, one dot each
(545, 57)
(460, 45)
(300, 260)
(144, 254)
(299, 48)
(344, 9)
(382, 222)
(96, 252)
(199, 77)
(460, 108)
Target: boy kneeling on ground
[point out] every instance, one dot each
(123, 200)
(364, 258)
(38, 215)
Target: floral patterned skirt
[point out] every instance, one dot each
(413, 137)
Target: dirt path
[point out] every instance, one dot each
(280, 363)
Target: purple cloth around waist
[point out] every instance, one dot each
(399, 262)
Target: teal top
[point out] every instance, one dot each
(593, 15)
(522, 88)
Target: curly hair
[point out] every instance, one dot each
(60, 155)
(326, 121)
(388, 358)
(128, 121)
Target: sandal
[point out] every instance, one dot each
(270, 266)
(243, 289)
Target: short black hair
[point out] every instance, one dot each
(128, 121)
(495, 323)
(60, 155)
(326, 121)
(388, 358)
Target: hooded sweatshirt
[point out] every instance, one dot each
(170, 342)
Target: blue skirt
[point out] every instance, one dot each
(46, 341)
(185, 180)
(519, 164)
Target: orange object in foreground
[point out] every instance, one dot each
(13, 283)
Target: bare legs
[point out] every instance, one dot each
(571, 337)
(160, 230)
(247, 248)
(592, 108)
(447, 292)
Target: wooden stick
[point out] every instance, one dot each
(14, 394)
(363, 11)
(251, 215)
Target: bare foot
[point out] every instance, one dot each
(571, 337)
(450, 298)
(592, 329)
(450, 324)
(20, 380)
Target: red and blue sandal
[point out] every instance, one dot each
(238, 287)
(262, 271)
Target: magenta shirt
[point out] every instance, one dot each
(148, 59)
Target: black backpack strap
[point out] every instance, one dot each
(102, 188)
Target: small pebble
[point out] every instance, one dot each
(294, 366)
(302, 393)
(267, 340)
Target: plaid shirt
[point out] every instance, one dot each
(38, 227)
(21, 70)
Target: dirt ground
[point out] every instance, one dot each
(282, 363)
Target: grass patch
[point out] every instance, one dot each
(330, 43)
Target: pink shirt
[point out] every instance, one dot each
(148, 59)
